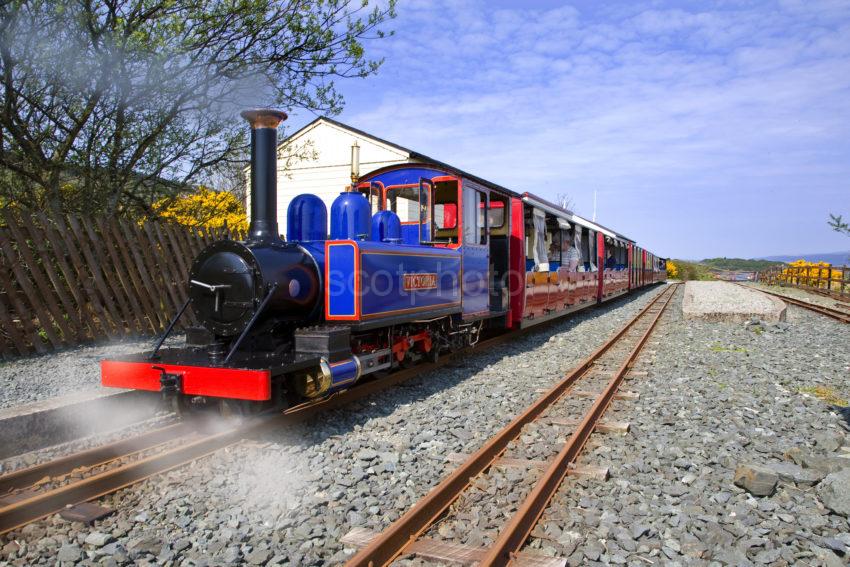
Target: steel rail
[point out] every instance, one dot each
(41, 504)
(828, 311)
(514, 535)
(824, 292)
(392, 542)
(93, 457)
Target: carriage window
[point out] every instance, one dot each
(591, 244)
(474, 219)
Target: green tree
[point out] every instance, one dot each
(838, 224)
(119, 103)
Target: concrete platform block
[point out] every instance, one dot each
(725, 302)
(58, 420)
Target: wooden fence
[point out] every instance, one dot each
(832, 281)
(71, 280)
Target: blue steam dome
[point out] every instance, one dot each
(386, 227)
(350, 217)
(306, 219)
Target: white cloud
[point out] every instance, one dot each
(676, 114)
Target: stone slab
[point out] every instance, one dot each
(58, 420)
(725, 302)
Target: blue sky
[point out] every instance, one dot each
(707, 129)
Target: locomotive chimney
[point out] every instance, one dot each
(264, 123)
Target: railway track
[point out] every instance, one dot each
(842, 316)
(552, 417)
(36, 492)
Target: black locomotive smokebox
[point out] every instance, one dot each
(334, 343)
(199, 337)
(229, 281)
(225, 285)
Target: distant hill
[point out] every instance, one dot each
(739, 264)
(834, 258)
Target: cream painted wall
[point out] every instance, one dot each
(326, 172)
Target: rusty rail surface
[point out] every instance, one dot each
(97, 456)
(41, 504)
(35, 505)
(842, 316)
(404, 532)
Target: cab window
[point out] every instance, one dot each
(474, 217)
(372, 192)
(404, 201)
(496, 214)
(445, 216)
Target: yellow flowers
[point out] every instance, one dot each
(672, 270)
(810, 273)
(204, 208)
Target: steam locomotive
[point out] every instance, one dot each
(419, 259)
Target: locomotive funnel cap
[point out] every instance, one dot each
(263, 117)
(264, 123)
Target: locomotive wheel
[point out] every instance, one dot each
(433, 355)
(407, 361)
(236, 409)
(188, 407)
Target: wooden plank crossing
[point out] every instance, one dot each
(68, 280)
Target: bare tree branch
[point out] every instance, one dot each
(110, 105)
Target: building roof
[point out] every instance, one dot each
(414, 155)
(411, 153)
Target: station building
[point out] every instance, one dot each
(319, 159)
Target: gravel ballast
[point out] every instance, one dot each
(718, 401)
(724, 416)
(73, 370)
(290, 496)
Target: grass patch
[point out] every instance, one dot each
(741, 264)
(826, 394)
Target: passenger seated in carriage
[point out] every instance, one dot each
(571, 256)
(554, 254)
(610, 261)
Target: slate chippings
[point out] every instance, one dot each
(718, 398)
(288, 497)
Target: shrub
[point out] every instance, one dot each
(205, 208)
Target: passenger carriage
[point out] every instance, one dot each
(512, 260)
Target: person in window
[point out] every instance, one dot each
(554, 252)
(571, 255)
(610, 262)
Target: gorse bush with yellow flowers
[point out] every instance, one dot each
(204, 208)
(672, 270)
(811, 274)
